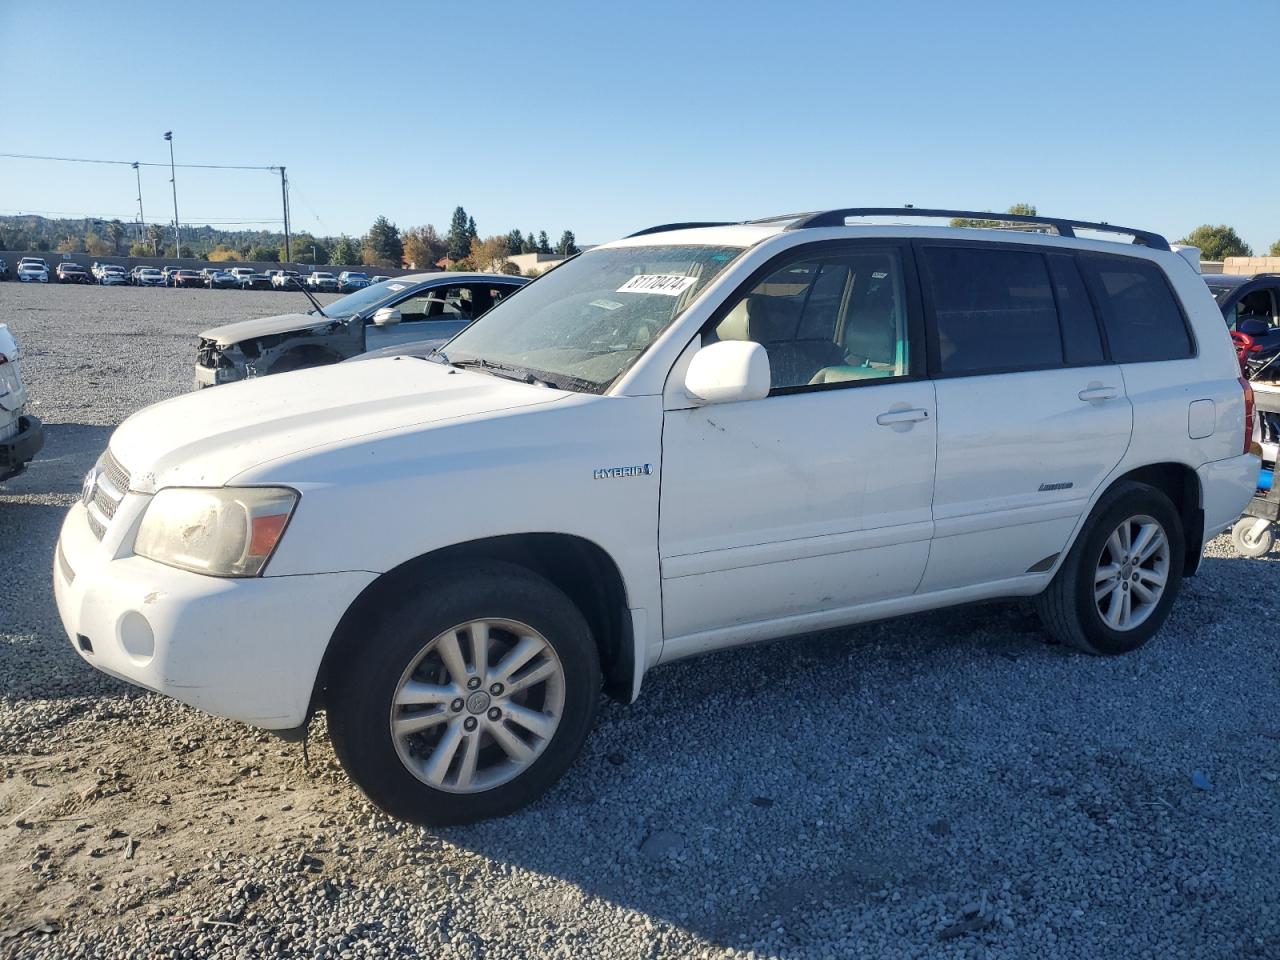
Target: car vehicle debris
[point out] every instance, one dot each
(21, 434)
(285, 279)
(31, 270)
(148, 277)
(321, 280)
(426, 306)
(186, 278)
(350, 281)
(749, 376)
(71, 272)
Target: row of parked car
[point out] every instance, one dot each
(36, 270)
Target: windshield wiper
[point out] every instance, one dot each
(314, 302)
(500, 369)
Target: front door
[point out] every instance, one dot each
(785, 513)
(437, 313)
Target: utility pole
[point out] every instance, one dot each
(177, 230)
(284, 197)
(142, 220)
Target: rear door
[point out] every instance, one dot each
(1031, 415)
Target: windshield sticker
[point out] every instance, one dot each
(667, 284)
(604, 304)
(395, 286)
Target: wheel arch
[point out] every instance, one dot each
(1181, 484)
(586, 573)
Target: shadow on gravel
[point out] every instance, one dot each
(938, 766)
(36, 660)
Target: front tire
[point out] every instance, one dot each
(1118, 583)
(467, 700)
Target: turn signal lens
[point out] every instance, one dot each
(1248, 413)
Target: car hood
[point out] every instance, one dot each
(209, 437)
(250, 329)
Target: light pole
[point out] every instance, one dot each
(177, 230)
(142, 220)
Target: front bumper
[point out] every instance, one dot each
(246, 649)
(21, 448)
(1226, 487)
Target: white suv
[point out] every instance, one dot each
(693, 438)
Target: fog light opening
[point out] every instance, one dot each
(85, 644)
(136, 637)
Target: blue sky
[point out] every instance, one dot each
(605, 117)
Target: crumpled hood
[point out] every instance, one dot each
(209, 437)
(249, 329)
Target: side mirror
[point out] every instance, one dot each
(386, 317)
(729, 371)
(1253, 327)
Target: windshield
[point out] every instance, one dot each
(364, 299)
(588, 320)
(1221, 291)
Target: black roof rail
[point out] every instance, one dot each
(690, 225)
(1064, 228)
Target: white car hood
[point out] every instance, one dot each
(249, 329)
(209, 437)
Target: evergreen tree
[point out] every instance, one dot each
(515, 243)
(568, 244)
(530, 245)
(345, 252)
(544, 245)
(382, 245)
(471, 229)
(458, 238)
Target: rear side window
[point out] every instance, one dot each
(994, 310)
(1142, 319)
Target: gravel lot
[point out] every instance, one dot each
(945, 785)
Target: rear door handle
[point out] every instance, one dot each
(902, 416)
(1093, 394)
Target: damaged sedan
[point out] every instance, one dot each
(424, 306)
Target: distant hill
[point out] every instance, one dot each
(106, 237)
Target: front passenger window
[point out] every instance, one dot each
(827, 320)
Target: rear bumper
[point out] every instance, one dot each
(1226, 487)
(20, 449)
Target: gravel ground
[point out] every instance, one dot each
(946, 785)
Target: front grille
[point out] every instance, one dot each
(109, 488)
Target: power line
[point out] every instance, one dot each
(144, 163)
(127, 217)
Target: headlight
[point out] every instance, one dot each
(219, 531)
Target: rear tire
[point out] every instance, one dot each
(1118, 583)
(436, 733)
(1253, 537)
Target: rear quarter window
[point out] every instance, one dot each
(1142, 318)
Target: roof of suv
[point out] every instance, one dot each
(904, 223)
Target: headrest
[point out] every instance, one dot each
(737, 322)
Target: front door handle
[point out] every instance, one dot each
(911, 415)
(1095, 393)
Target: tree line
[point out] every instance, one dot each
(383, 245)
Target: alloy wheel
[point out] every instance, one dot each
(477, 705)
(1131, 572)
